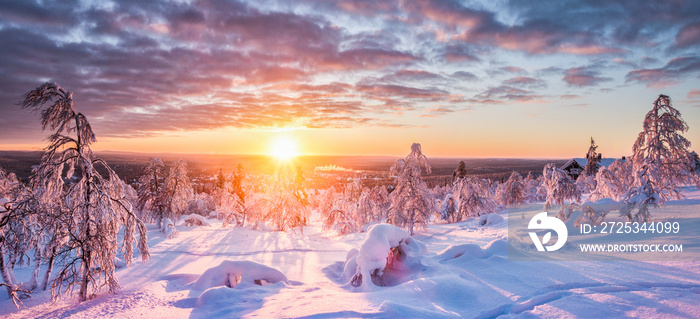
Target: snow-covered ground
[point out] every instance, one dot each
(466, 273)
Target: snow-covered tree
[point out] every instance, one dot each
(661, 162)
(559, 186)
(411, 201)
(18, 233)
(474, 197)
(152, 198)
(661, 158)
(94, 205)
(592, 160)
(532, 185)
(613, 182)
(284, 204)
(513, 191)
(178, 190)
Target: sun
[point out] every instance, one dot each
(284, 148)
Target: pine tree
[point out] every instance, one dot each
(460, 172)
(411, 201)
(94, 205)
(592, 160)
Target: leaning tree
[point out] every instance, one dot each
(661, 161)
(95, 208)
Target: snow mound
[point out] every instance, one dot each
(195, 220)
(472, 251)
(232, 273)
(387, 255)
(169, 228)
(489, 219)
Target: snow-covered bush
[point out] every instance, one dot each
(594, 213)
(411, 201)
(387, 255)
(168, 228)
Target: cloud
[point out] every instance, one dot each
(694, 94)
(526, 81)
(583, 76)
(688, 36)
(670, 74)
(145, 67)
(508, 93)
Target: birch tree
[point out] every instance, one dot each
(94, 204)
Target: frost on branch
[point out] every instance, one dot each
(93, 205)
(411, 201)
(387, 255)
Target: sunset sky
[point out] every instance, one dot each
(360, 77)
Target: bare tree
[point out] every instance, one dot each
(94, 204)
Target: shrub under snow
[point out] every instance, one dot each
(387, 255)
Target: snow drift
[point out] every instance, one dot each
(231, 273)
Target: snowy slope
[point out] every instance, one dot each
(465, 274)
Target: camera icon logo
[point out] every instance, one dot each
(543, 222)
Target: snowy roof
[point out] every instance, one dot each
(605, 162)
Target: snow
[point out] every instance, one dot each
(195, 220)
(464, 271)
(489, 219)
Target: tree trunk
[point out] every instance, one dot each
(82, 294)
(6, 273)
(47, 275)
(34, 283)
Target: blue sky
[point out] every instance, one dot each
(463, 78)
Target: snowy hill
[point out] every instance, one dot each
(466, 273)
